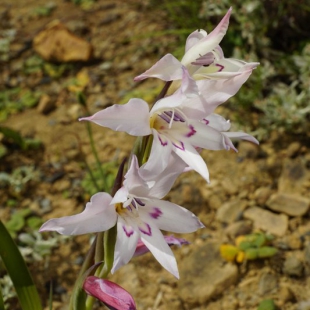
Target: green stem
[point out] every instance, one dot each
(78, 297)
(94, 150)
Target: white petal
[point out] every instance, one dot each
(192, 158)
(126, 242)
(163, 182)
(161, 251)
(132, 117)
(241, 136)
(133, 180)
(216, 92)
(167, 68)
(98, 216)
(169, 216)
(208, 43)
(194, 38)
(217, 122)
(120, 196)
(159, 157)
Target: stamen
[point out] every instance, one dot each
(139, 202)
(165, 118)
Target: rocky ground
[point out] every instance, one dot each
(261, 188)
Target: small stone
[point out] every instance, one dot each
(229, 186)
(57, 43)
(46, 104)
(276, 224)
(203, 271)
(262, 194)
(248, 150)
(293, 266)
(290, 204)
(231, 211)
(61, 185)
(293, 175)
(238, 228)
(75, 111)
(293, 149)
(307, 254)
(267, 283)
(285, 294)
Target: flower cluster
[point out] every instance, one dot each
(172, 134)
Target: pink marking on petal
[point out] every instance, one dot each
(161, 141)
(221, 67)
(148, 231)
(181, 146)
(156, 213)
(128, 232)
(192, 131)
(206, 121)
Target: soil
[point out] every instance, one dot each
(127, 38)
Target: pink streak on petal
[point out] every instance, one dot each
(181, 146)
(162, 142)
(192, 131)
(156, 213)
(221, 67)
(128, 232)
(148, 231)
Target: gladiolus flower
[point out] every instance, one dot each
(138, 212)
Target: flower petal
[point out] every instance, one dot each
(169, 216)
(160, 249)
(207, 44)
(98, 216)
(171, 240)
(126, 242)
(163, 182)
(111, 294)
(241, 135)
(132, 117)
(194, 38)
(159, 156)
(168, 68)
(192, 158)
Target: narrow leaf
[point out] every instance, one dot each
(16, 267)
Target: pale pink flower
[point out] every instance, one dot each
(139, 213)
(180, 123)
(203, 58)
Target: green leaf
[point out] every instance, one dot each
(267, 304)
(17, 269)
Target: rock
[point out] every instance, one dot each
(285, 294)
(248, 150)
(293, 266)
(46, 104)
(307, 254)
(57, 43)
(293, 175)
(267, 283)
(238, 228)
(276, 224)
(203, 275)
(293, 149)
(290, 204)
(229, 186)
(230, 211)
(262, 194)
